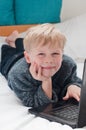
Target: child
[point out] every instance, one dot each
(41, 74)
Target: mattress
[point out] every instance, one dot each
(15, 116)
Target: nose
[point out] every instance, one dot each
(49, 60)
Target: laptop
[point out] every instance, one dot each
(66, 112)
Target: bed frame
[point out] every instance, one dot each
(6, 30)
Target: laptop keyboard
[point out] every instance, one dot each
(69, 112)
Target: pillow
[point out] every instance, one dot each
(6, 12)
(37, 11)
(75, 32)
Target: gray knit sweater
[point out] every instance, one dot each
(30, 91)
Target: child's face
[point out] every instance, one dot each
(48, 58)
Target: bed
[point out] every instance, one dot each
(15, 116)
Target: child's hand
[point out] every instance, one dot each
(36, 72)
(73, 91)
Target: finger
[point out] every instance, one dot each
(77, 97)
(33, 69)
(40, 76)
(39, 72)
(66, 97)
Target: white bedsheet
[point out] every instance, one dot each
(15, 116)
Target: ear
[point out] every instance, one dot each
(26, 57)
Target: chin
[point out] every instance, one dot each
(48, 75)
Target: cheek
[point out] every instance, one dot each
(38, 61)
(58, 63)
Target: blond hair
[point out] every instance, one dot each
(43, 34)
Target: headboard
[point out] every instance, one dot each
(6, 30)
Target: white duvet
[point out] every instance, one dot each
(15, 116)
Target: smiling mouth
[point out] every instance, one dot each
(48, 67)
